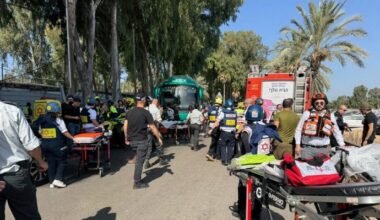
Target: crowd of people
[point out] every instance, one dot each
(235, 129)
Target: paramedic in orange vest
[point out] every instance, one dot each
(315, 128)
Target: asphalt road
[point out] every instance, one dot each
(188, 188)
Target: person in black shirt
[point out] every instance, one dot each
(137, 121)
(369, 125)
(339, 121)
(339, 117)
(71, 114)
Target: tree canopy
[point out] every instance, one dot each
(154, 39)
(323, 34)
(230, 63)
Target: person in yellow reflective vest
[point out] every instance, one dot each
(213, 113)
(53, 143)
(240, 115)
(112, 113)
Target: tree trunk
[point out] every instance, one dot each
(145, 79)
(96, 91)
(151, 78)
(85, 69)
(78, 53)
(224, 92)
(115, 71)
(69, 81)
(90, 43)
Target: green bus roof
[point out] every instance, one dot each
(180, 80)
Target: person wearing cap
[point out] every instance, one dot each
(71, 114)
(53, 136)
(314, 129)
(369, 125)
(89, 117)
(18, 145)
(136, 124)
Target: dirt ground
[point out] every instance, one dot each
(355, 136)
(189, 187)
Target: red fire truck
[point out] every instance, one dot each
(276, 87)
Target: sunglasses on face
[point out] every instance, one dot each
(319, 103)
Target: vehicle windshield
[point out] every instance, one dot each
(181, 96)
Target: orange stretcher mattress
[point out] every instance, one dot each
(87, 138)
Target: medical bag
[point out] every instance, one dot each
(310, 173)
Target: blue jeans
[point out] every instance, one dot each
(73, 129)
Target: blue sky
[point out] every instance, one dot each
(267, 17)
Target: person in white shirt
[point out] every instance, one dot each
(156, 114)
(195, 118)
(314, 129)
(89, 117)
(155, 111)
(18, 145)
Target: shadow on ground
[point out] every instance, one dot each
(103, 214)
(156, 173)
(75, 173)
(119, 158)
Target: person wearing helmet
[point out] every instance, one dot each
(227, 120)
(254, 114)
(260, 102)
(89, 117)
(315, 128)
(213, 112)
(53, 134)
(112, 110)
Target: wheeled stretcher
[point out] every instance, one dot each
(337, 201)
(95, 151)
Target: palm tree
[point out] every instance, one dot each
(321, 36)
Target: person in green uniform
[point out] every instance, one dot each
(286, 122)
